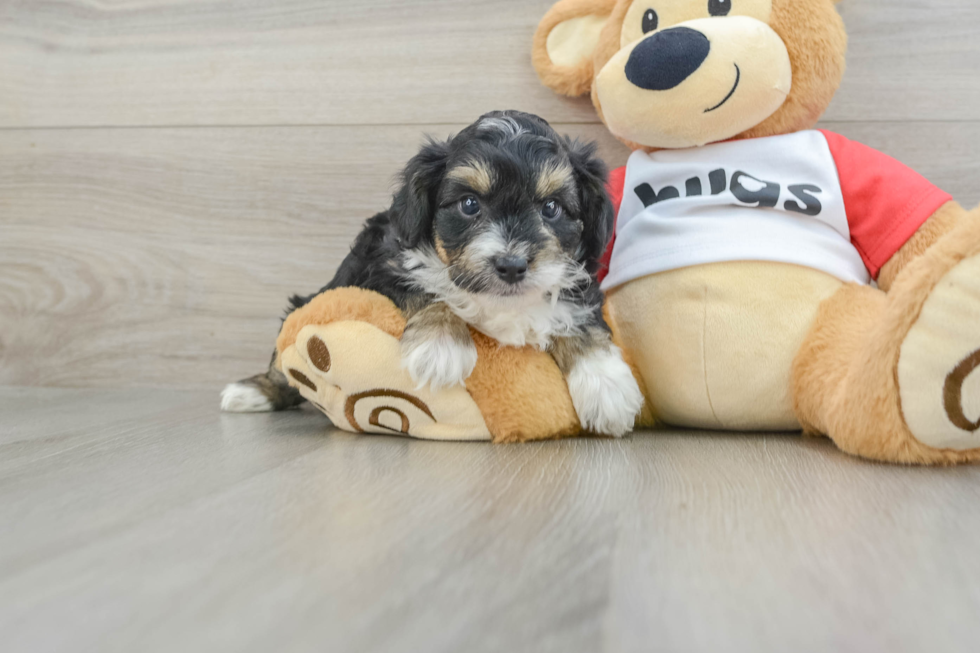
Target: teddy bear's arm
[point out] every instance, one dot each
(894, 213)
(938, 225)
(886, 203)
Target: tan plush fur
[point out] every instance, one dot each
(351, 371)
(714, 344)
(349, 304)
(567, 80)
(814, 35)
(519, 391)
(812, 31)
(844, 376)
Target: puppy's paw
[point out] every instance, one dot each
(244, 397)
(439, 361)
(604, 392)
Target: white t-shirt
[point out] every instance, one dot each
(766, 199)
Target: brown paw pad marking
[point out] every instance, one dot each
(302, 378)
(318, 353)
(375, 416)
(953, 393)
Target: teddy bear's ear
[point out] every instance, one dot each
(565, 42)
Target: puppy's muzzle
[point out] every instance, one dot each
(511, 269)
(663, 60)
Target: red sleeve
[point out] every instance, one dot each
(886, 202)
(614, 187)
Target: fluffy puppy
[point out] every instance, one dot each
(499, 228)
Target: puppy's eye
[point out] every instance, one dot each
(650, 20)
(469, 206)
(551, 210)
(719, 7)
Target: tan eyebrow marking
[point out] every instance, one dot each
(552, 177)
(476, 175)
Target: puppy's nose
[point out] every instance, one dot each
(663, 60)
(511, 269)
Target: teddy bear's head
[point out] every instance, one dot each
(682, 73)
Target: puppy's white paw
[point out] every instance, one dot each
(604, 393)
(440, 362)
(244, 398)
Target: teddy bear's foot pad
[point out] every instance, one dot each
(351, 371)
(939, 365)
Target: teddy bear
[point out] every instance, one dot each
(763, 275)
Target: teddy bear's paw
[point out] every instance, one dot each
(351, 371)
(441, 361)
(939, 364)
(604, 393)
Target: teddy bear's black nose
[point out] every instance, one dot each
(663, 60)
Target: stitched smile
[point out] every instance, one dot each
(738, 78)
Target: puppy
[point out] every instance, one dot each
(499, 228)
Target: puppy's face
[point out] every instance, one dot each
(506, 219)
(517, 210)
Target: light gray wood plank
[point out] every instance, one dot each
(170, 62)
(910, 60)
(199, 531)
(163, 257)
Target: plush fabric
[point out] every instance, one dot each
(341, 351)
(363, 388)
(890, 373)
(876, 367)
(521, 392)
(707, 326)
(564, 77)
(685, 113)
(812, 32)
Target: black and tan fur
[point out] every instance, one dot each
(448, 270)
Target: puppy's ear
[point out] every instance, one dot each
(595, 209)
(565, 41)
(414, 205)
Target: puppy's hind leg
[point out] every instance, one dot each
(261, 393)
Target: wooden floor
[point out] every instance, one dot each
(138, 520)
(171, 170)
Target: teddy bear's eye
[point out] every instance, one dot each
(650, 20)
(719, 7)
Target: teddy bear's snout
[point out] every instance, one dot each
(663, 60)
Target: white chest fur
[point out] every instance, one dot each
(521, 322)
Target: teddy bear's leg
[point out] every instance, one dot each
(351, 371)
(896, 376)
(342, 352)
